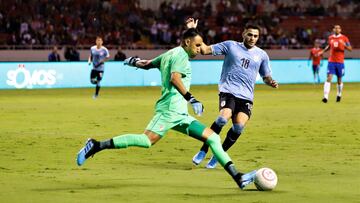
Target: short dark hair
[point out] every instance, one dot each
(252, 26)
(192, 32)
(98, 36)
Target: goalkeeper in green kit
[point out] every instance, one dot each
(171, 110)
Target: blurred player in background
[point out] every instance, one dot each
(98, 55)
(316, 56)
(337, 43)
(243, 61)
(171, 109)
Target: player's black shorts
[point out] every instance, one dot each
(227, 100)
(96, 75)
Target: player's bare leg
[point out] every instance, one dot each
(314, 74)
(317, 75)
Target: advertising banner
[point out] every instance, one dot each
(29, 75)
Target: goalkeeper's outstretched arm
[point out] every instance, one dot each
(139, 63)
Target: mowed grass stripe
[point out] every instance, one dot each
(313, 147)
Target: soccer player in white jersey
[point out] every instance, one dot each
(98, 55)
(243, 61)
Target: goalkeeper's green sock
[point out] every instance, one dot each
(128, 140)
(215, 145)
(124, 141)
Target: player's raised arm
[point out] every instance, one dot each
(205, 49)
(191, 23)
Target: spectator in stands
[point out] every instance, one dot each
(29, 23)
(54, 55)
(71, 54)
(120, 56)
(75, 54)
(67, 53)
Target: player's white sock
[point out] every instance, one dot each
(327, 86)
(339, 89)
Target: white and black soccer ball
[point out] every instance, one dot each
(265, 179)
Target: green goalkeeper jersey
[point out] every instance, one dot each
(174, 60)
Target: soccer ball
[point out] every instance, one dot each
(265, 179)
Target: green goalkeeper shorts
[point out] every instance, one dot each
(164, 121)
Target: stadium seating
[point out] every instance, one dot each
(349, 26)
(132, 25)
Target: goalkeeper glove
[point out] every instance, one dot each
(197, 106)
(131, 61)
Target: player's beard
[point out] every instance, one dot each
(249, 44)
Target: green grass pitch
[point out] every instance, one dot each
(313, 147)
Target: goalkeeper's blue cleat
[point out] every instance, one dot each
(212, 162)
(247, 178)
(90, 148)
(199, 157)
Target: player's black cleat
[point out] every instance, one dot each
(90, 148)
(324, 100)
(338, 99)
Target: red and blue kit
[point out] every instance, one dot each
(315, 56)
(336, 60)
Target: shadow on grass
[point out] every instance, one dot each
(226, 191)
(118, 185)
(231, 193)
(96, 186)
